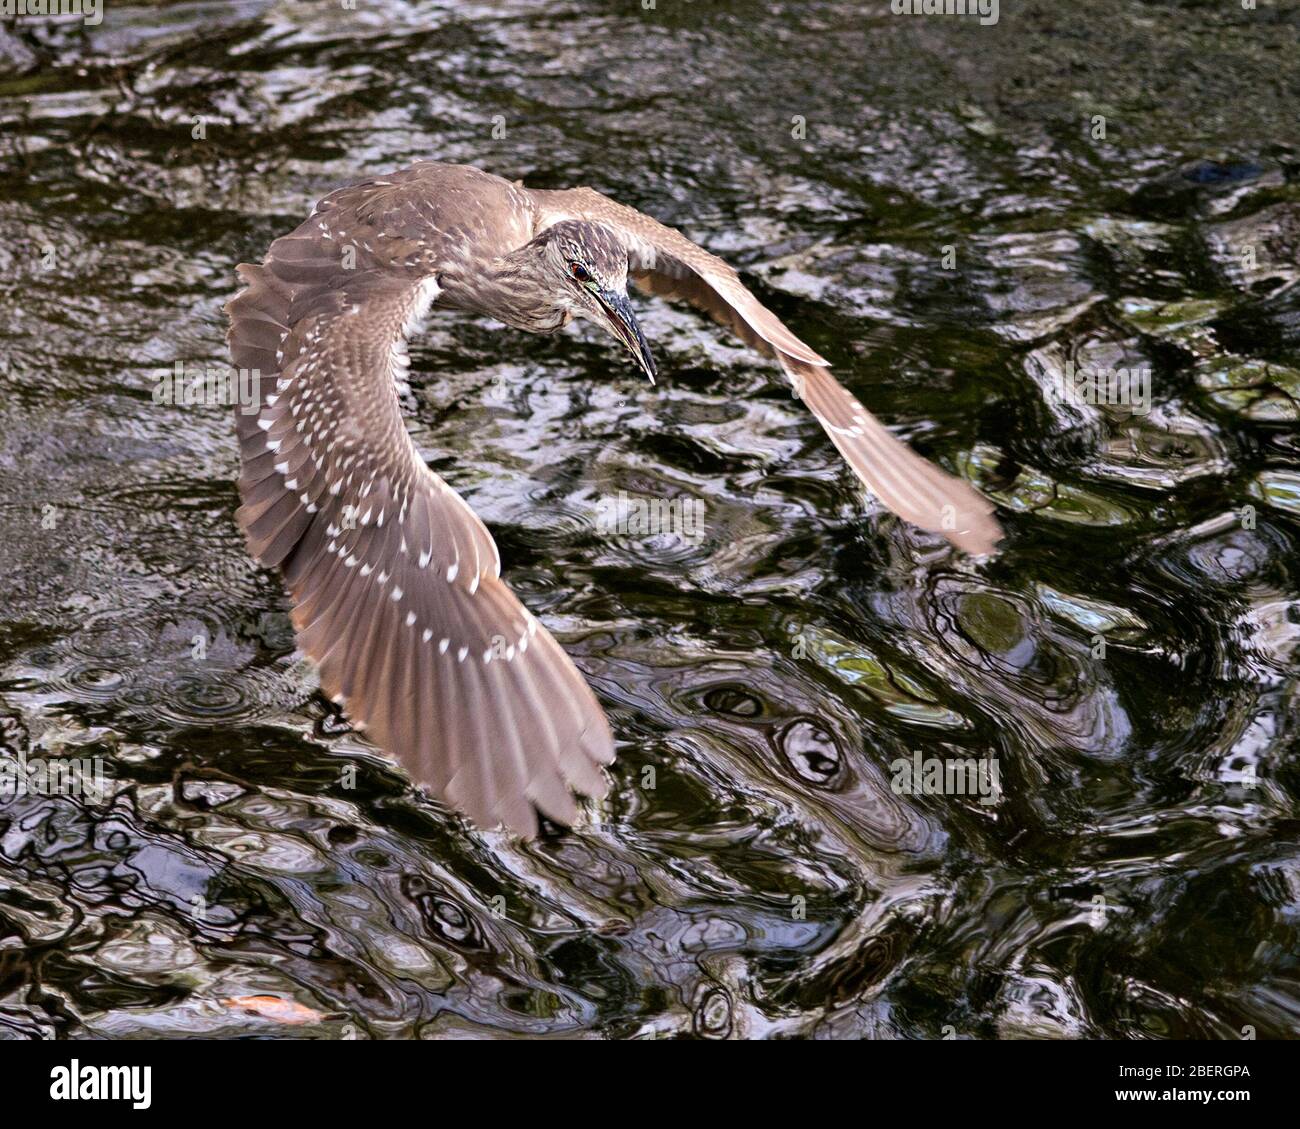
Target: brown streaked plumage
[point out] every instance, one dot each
(395, 583)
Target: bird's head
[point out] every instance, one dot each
(587, 266)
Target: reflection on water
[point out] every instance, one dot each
(952, 233)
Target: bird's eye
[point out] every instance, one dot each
(581, 273)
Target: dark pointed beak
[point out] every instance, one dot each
(623, 324)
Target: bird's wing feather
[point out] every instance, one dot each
(663, 261)
(395, 581)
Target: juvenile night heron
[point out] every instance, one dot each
(395, 582)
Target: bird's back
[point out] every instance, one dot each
(455, 211)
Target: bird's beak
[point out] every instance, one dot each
(623, 324)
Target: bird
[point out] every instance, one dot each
(395, 583)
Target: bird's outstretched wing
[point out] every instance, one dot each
(395, 582)
(663, 261)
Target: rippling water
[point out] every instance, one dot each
(949, 227)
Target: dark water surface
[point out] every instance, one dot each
(1129, 660)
